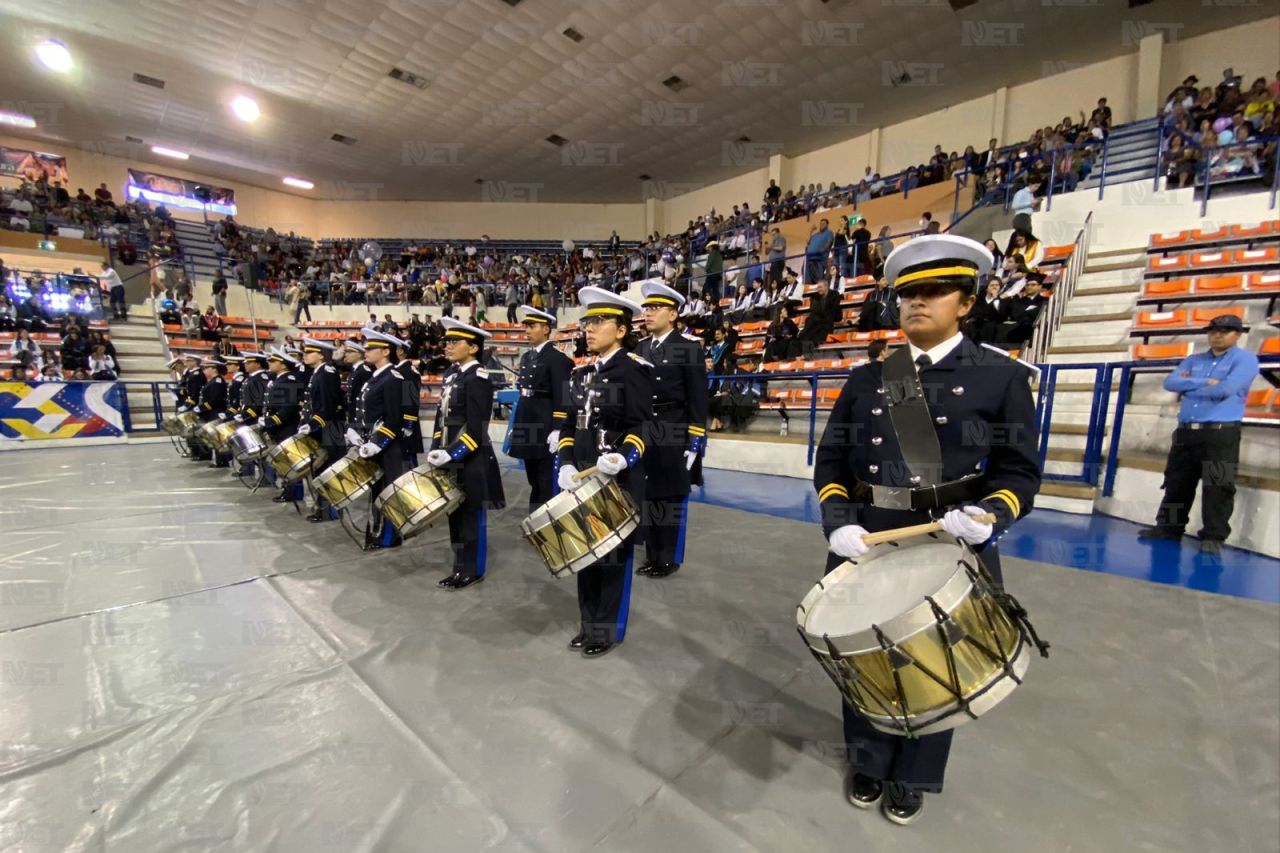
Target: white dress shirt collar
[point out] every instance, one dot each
(941, 351)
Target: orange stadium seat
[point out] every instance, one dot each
(1168, 264)
(1271, 346)
(1174, 287)
(1262, 229)
(1056, 254)
(1253, 257)
(1219, 284)
(1201, 260)
(1161, 319)
(1263, 282)
(1263, 403)
(1201, 316)
(1158, 352)
(1212, 235)
(1168, 240)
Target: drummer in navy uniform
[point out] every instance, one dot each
(412, 432)
(320, 413)
(680, 437)
(212, 401)
(543, 383)
(189, 386)
(283, 412)
(460, 444)
(943, 428)
(377, 423)
(253, 400)
(222, 458)
(608, 425)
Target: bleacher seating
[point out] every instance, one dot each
(1263, 404)
(1226, 235)
(1180, 321)
(1224, 259)
(1219, 288)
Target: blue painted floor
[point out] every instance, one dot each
(1096, 543)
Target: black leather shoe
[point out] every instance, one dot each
(578, 641)
(1210, 546)
(1157, 533)
(662, 570)
(595, 650)
(646, 568)
(901, 805)
(282, 499)
(863, 792)
(315, 517)
(456, 581)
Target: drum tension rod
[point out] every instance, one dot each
(833, 667)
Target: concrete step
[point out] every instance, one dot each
(1095, 278)
(1103, 354)
(1127, 251)
(1135, 260)
(1084, 349)
(1099, 317)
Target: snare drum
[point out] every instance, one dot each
(347, 480)
(417, 499)
(296, 457)
(181, 424)
(222, 434)
(206, 433)
(575, 529)
(248, 444)
(913, 636)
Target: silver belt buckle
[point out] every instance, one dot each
(891, 497)
(526, 392)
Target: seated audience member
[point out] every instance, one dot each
(987, 313)
(169, 314)
(101, 366)
(190, 323)
(210, 325)
(780, 339)
(24, 350)
(736, 400)
(1022, 313)
(877, 350)
(8, 315)
(824, 313)
(74, 352)
(880, 309)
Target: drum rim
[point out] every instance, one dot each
(591, 485)
(453, 497)
(900, 627)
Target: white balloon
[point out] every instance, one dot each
(568, 245)
(471, 251)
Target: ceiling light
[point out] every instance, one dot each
(169, 152)
(54, 55)
(300, 183)
(16, 119)
(245, 108)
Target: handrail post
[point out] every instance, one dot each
(1155, 179)
(1113, 451)
(1102, 177)
(126, 420)
(1053, 176)
(1204, 198)
(155, 402)
(813, 414)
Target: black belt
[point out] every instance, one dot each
(670, 406)
(529, 392)
(1210, 425)
(921, 498)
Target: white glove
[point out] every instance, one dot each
(961, 524)
(566, 479)
(847, 541)
(553, 440)
(222, 416)
(439, 458)
(689, 458)
(182, 409)
(369, 449)
(353, 438)
(262, 421)
(611, 464)
(239, 419)
(305, 429)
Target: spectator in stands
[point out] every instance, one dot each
(824, 313)
(927, 224)
(169, 314)
(190, 323)
(984, 319)
(1212, 386)
(740, 310)
(780, 343)
(820, 242)
(861, 236)
(101, 366)
(115, 291)
(1102, 113)
(718, 350)
(994, 248)
(51, 373)
(842, 250)
(8, 314)
(880, 308)
(877, 350)
(211, 325)
(737, 398)
(1181, 162)
(74, 351)
(19, 221)
(1023, 312)
(1024, 203)
(512, 300)
(24, 350)
(1026, 244)
(776, 253)
(220, 293)
(715, 272)
(31, 314)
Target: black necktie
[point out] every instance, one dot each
(923, 361)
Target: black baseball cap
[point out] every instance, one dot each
(1225, 322)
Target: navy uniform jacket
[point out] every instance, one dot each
(213, 399)
(283, 405)
(543, 382)
(380, 410)
(610, 411)
(412, 405)
(986, 421)
(356, 379)
(680, 413)
(324, 398)
(234, 390)
(192, 381)
(462, 429)
(253, 396)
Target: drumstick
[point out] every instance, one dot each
(582, 475)
(917, 530)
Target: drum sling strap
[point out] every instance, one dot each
(909, 413)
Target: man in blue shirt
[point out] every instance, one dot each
(820, 241)
(1206, 445)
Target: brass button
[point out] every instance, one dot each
(877, 411)
(876, 441)
(958, 390)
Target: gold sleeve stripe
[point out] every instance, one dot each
(1015, 506)
(410, 417)
(832, 490)
(697, 430)
(564, 442)
(386, 431)
(468, 441)
(436, 434)
(631, 439)
(320, 419)
(560, 415)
